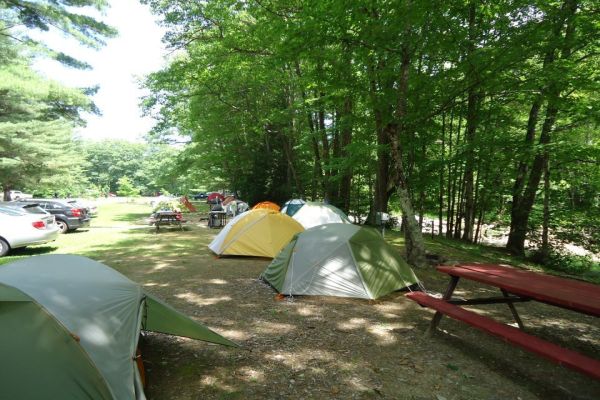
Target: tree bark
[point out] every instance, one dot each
(382, 172)
(521, 210)
(346, 139)
(415, 245)
(442, 173)
(473, 99)
(545, 250)
(325, 147)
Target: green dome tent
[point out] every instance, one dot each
(70, 329)
(339, 260)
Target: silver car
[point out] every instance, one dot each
(19, 228)
(48, 218)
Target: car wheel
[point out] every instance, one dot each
(4, 247)
(62, 226)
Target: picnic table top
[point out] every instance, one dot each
(563, 292)
(166, 213)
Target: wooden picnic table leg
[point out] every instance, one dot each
(513, 310)
(447, 296)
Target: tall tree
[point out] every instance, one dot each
(559, 50)
(365, 103)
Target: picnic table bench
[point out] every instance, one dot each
(162, 218)
(517, 286)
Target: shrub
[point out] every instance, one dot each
(126, 188)
(571, 264)
(168, 205)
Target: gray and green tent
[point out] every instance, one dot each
(69, 329)
(312, 214)
(339, 260)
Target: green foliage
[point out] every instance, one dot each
(111, 160)
(264, 92)
(126, 188)
(168, 205)
(571, 264)
(149, 167)
(40, 155)
(38, 152)
(61, 15)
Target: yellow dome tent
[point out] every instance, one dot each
(260, 233)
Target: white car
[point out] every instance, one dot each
(20, 229)
(18, 195)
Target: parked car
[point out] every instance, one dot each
(199, 196)
(90, 208)
(20, 229)
(69, 217)
(18, 195)
(31, 208)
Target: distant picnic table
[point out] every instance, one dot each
(162, 218)
(517, 286)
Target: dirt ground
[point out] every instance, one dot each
(332, 348)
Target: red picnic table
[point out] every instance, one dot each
(161, 218)
(517, 286)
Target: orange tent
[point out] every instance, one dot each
(268, 205)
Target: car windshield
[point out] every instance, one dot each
(34, 209)
(15, 212)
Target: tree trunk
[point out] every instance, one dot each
(325, 147)
(346, 139)
(521, 211)
(289, 154)
(442, 173)
(382, 172)
(460, 207)
(6, 192)
(545, 250)
(452, 210)
(473, 99)
(288, 145)
(317, 168)
(518, 229)
(415, 245)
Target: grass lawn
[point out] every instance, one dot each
(111, 228)
(320, 347)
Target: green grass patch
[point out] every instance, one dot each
(110, 230)
(120, 237)
(457, 251)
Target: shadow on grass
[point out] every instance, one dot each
(77, 231)
(131, 217)
(21, 253)
(537, 375)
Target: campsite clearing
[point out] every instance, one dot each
(319, 347)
